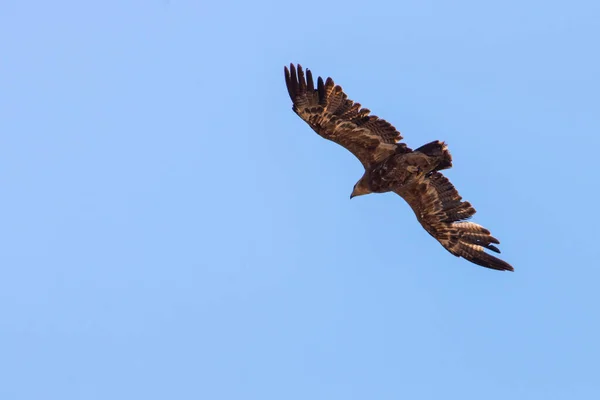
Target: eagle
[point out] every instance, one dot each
(391, 166)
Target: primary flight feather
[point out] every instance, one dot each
(390, 166)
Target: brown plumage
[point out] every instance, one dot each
(390, 166)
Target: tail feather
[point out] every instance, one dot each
(438, 150)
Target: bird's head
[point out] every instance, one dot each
(361, 187)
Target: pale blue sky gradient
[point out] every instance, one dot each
(172, 230)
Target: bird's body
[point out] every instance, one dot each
(400, 172)
(390, 166)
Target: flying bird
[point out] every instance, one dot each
(391, 166)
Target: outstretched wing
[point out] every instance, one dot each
(439, 209)
(332, 115)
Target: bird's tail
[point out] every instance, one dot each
(439, 151)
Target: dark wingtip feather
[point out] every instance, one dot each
(310, 84)
(294, 77)
(489, 261)
(321, 89)
(301, 81)
(288, 82)
(291, 81)
(492, 247)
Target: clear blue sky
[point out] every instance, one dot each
(172, 230)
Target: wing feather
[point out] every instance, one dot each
(332, 115)
(441, 211)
